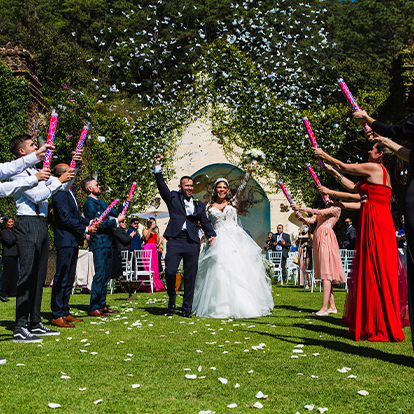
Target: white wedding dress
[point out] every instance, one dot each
(231, 280)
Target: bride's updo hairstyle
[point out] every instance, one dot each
(214, 197)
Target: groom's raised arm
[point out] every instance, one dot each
(165, 192)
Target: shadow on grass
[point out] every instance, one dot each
(154, 310)
(340, 346)
(294, 308)
(9, 325)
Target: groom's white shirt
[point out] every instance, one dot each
(189, 204)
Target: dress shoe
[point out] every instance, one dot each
(171, 305)
(97, 312)
(187, 314)
(4, 299)
(62, 323)
(332, 310)
(71, 319)
(107, 310)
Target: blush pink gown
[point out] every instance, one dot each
(327, 262)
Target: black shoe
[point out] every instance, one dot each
(41, 330)
(171, 306)
(4, 299)
(23, 335)
(187, 314)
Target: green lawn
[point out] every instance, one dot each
(163, 347)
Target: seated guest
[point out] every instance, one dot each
(122, 242)
(136, 241)
(10, 258)
(295, 247)
(151, 240)
(268, 247)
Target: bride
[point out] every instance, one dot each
(231, 280)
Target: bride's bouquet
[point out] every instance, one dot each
(254, 154)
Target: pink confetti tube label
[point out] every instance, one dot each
(50, 139)
(351, 100)
(316, 180)
(312, 138)
(131, 192)
(80, 144)
(107, 211)
(285, 192)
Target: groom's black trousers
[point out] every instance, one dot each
(186, 249)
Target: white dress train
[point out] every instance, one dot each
(231, 280)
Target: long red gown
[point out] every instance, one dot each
(372, 309)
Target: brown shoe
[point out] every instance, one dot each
(107, 310)
(61, 322)
(97, 312)
(70, 318)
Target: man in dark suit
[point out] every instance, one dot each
(136, 240)
(281, 242)
(182, 235)
(100, 244)
(69, 230)
(350, 235)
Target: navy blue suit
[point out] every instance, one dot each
(187, 248)
(70, 227)
(350, 238)
(101, 246)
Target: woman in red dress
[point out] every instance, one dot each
(372, 309)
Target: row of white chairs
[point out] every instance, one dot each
(292, 269)
(136, 265)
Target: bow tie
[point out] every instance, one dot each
(188, 198)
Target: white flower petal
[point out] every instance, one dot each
(190, 376)
(136, 385)
(363, 392)
(309, 407)
(352, 376)
(250, 372)
(223, 380)
(97, 401)
(258, 405)
(232, 405)
(65, 377)
(53, 405)
(322, 410)
(82, 389)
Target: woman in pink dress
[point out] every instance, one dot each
(327, 264)
(151, 239)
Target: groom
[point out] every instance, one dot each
(182, 235)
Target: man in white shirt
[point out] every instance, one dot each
(8, 169)
(31, 230)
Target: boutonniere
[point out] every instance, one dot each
(196, 200)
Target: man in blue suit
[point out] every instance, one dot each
(70, 227)
(100, 244)
(136, 241)
(182, 235)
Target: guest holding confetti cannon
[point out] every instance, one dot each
(372, 303)
(327, 264)
(101, 245)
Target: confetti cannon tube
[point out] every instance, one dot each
(351, 100)
(107, 211)
(285, 192)
(80, 144)
(312, 138)
(50, 139)
(131, 192)
(316, 180)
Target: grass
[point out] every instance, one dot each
(163, 346)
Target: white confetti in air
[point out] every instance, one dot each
(223, 380)
(53, 405)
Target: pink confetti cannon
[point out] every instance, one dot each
(312, 138)
(80, 144)
(107, 211)
(351, 100)
(316, 180)
(285, 192)
(50, 139)
(131, 192)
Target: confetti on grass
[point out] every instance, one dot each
(53, 405)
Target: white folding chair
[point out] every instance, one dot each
(348, 265)
(126, 257)
(276, 258)
(143, 259)
(292, 268)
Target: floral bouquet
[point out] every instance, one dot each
(254, 154)
(269, 268)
